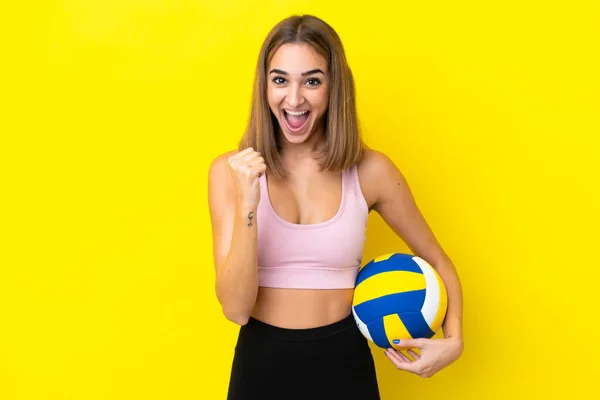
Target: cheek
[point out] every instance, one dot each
(274, 96)
(320, 100)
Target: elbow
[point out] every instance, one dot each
(234, 308)
(238, 317)
(235, 312)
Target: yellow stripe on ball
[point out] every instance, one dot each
(385, 283)
(394, 329)
(383, 257)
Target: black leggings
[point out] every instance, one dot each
(328, 362)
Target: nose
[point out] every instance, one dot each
(295, 97)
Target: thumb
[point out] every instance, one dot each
(408, 343)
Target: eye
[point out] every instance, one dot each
(278, 80)
(313, 82)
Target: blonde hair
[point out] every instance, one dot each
(343, 143)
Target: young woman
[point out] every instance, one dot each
(289, 211)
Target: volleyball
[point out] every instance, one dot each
(398, 296)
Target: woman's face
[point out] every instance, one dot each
(298, 90)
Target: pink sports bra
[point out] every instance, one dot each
(326, 255)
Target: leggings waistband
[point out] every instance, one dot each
(299, 334)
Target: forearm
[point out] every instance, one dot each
(237, 278)
(452, 325)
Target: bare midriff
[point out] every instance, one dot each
(302, 308)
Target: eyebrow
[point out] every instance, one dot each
(312, 71)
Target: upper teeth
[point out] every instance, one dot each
(296, 112)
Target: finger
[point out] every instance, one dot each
(413, 354)
(397, 361)
(408, 343)
(255, 161)
(238, 157)
(236, 160)
(245, 161)
(249, 157)
(403, 356)
(247, 171)
(401, 364)
(242, 153)
(258, 170)
(398, 355)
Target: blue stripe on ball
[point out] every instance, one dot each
(416, 325)
(377, 332)
(397, 262)
(390, 304)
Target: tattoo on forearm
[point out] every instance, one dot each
(250, 216)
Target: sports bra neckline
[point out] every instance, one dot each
(292, 225)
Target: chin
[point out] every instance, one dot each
(294, 137)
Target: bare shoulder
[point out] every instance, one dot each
(375, 163)
(377, 171)
(220, 182)
(219, 164)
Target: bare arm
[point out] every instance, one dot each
(234, 243)
(396, 205)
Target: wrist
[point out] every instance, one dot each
(457, 343)
(246, 210)
(244, 206)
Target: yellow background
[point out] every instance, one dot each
(112, 111)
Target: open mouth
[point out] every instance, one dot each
(295, 120)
